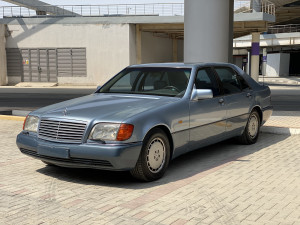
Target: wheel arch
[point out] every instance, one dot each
(258, 109)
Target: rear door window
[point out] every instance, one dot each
(229, 80)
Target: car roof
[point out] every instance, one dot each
(179, 65)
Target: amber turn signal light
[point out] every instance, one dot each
(125, 132)
(24, 122)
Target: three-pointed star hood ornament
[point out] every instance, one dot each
(65, 112)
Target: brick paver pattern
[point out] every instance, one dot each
(225, 183)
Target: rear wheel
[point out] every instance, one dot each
(154, 157)
(251, 132)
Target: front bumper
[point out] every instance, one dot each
(120, 157)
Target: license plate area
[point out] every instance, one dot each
(53, 151)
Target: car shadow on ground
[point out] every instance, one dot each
(183, 167)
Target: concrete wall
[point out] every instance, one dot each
(3, 70)
(278, 64)
(237, 60)
(284, 64)
(109, 47)
(156, 49)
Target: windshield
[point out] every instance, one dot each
(149, 81)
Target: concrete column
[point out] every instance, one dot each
(264, 66)
(256, 5)
(138, 39)
(255, 55)
(208, 30)
(175, 50)
(3, 67)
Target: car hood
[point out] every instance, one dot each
(104, 107)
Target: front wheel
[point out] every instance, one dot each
(251, 132)
(154, 157)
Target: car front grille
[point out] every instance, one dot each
(61, 131)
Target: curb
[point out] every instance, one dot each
(37, 84)
(280, 80)
(280, 130)
(16, 118)
(20, 112)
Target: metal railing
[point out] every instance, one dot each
(290, 28)
(158, 9)
(266, 6)
(241, 6)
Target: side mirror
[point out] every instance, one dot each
(98, 88)
(199, 94)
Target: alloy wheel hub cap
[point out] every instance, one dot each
(156, 155)
(253, 126)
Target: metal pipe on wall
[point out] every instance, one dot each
(3, 68)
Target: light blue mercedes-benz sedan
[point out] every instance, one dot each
(147, 115)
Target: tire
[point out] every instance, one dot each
(154, 157)
(251, 132)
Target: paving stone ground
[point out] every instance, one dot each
(290, 119)
(224, 184)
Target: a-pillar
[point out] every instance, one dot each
(208, 30)
(255, 56)
(3, 68)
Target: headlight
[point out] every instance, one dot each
(31, 123)
(111, 132)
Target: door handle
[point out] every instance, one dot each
(248, 95)
(221, 101)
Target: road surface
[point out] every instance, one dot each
(284, 98)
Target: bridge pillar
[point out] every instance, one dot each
(208, 30)
(3, 68)
(255, 55)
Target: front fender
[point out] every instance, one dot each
(174, 117)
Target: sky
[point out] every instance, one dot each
(99, 2)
